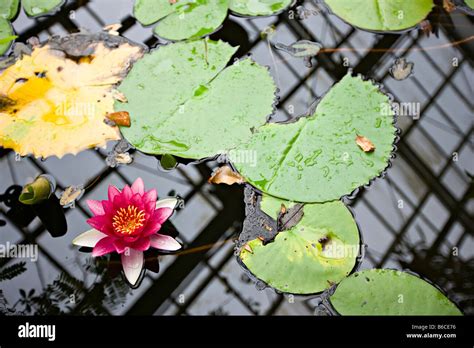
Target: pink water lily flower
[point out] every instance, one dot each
(127, 223)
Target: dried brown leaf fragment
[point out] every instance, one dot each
(225, 175)
(365, 144)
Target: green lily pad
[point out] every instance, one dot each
(258, 7)
(183, 101)
(470, 3)
(317, 159)
(308, 258)
(381, 15)
(389, 292)
(183, 19)
(34, 8)
(186, 19)
(9, 8)
(6, 35)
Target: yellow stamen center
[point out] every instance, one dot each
(128, 220)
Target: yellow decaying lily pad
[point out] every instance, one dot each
(54, 101)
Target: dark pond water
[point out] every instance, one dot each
(413, 218)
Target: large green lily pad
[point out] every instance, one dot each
(311, 256)
(317, 159)
(6, 35)
(9, 8)
(183, 101)
(186, 19)
(381, 15)
(389, 292)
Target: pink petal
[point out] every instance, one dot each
(154, 224)
(104, 246)
(120, 246)
(127, 192)
(113, 191)
(137, 201)
(120, 201)
(132, 262)
(89, 238)
(162, 242)
(150, 207)
(162, 214)
(99, 222)
(138, 186)
(151, 227)
(150, 196)
(142, 244)
(95, 207)
(108, 207)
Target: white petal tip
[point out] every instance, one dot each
(89, 238)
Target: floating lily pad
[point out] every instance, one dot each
(185, 19)
(308, 258)
(9, 8)
(184, 102)
(7, 36)
(389, 292)
(34, 8)
(381, 15)
(258, 7)
(317, 159)
(54, 101)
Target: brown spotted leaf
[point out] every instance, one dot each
(54, 100)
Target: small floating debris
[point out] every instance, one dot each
(248, 248)
(119, 96)
(268, 32)
(70, 195)
(225, 175)
(401, 69)
(426, 27)
(301, 49)
(124, 158)
(113, 29)
(365, 144)
(449, 6)
(119, 155)
(304, 13)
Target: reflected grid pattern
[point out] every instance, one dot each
(410, 219)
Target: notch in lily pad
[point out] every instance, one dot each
(320, 249)
(316, 158)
